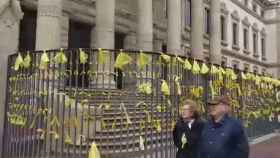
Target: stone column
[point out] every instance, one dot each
(130, 41)
(145, 31)
(10, 16)
(197, 30)
(105, 24)
(278, 41)
(174, 27)
(130, 80)
(105, 38)
(215, 32)
(145, 25)
(48, 34)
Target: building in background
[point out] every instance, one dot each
(237, 33)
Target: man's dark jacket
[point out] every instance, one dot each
(190, 149)
(225, 139)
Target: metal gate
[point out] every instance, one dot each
(59, 102)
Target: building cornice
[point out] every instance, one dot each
(270, 3)
(237, 55)
(241, 5)
(274, 65)
(261, 3)
(272, 21)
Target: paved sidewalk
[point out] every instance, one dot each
(266, 149)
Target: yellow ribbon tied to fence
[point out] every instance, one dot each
(44, 61)
(19, 62)
(195, 68)
(177, 82)
(83, 56)
(180, 60)
(278, 97)
(60, 57)
(230, 74)
(123, 108)
(204, 69)
(141, 143)
(214, 70)
(94, 152)
(164, 88)
(27, 61)
(243, 76)
(221, 72)
(145, 88)
(122, 60)
(212, 89)
(187, 65)
(143, 60)
(166, 58)
(102, 56)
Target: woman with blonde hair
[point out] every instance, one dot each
(187, 131)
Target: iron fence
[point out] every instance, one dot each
(59, 102)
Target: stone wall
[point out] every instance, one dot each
(10, 14)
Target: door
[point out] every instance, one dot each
(119, 44)
(27, 35)
(79, 37)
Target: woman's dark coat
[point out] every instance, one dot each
(193, 135)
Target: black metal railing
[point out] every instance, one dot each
(61, 101)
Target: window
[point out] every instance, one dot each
(235, 34)
(262, 13)
(223, 28)
(188, 13)
(207, 21)
(255, 7)
(245, 38)
(255, 44)
(246, 2)
(263, 48)
(79, 37)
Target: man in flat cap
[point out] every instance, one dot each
(223, 135)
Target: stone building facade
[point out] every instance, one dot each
(237, 33)
(241, 33)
